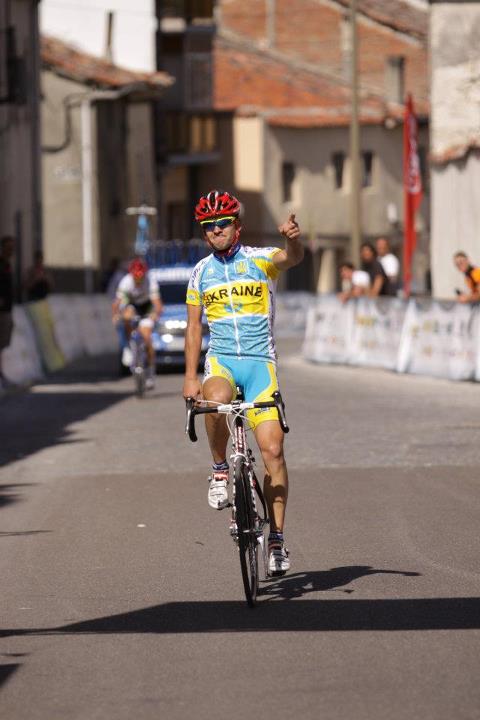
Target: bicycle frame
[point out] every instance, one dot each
(243, 454)
(248, 525)
(139, 353)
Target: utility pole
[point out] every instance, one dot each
(270, 23)
(355, 209)
(109, 37)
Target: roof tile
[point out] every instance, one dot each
(69, 62)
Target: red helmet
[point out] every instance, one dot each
(215, 204)
(138, 268)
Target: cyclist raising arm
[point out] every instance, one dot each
(138, 296)
(236, 286)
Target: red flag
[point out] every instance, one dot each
(412, 183)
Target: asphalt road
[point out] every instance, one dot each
(121, 594)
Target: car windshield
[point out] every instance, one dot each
(173, 293)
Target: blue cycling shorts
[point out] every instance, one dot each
(257, 379)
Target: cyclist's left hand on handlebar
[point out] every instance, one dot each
(192, 388)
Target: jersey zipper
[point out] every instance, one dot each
(237, 336)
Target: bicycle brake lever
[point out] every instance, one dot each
(190, 421)
(280, 405)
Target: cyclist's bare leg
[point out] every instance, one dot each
(219, 390)
(128, 315)
(146, 333)
(269, 436)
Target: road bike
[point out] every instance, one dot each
(249, 511)
(139, 365)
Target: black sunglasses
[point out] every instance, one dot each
(221, 222)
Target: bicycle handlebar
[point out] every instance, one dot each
(193, 410)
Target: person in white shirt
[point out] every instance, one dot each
(138, 295)
(354, 282)
(388, 260)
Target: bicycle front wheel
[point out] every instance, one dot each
(139, 375)
(247, 539)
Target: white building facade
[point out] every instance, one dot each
(455, 139)
(85, 25)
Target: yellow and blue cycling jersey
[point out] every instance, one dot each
(238, 297)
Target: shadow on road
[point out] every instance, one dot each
(10, 494)
(23, 533)
(459, 613)
(34, 421)
(299, 584)
(6, 671)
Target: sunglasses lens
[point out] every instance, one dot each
(209, 225)
(225, 222)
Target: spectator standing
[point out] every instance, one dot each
(7, 245)
(472, 278)
(114, 274)
(379, 282)
(389, 262)
(357, 282)
(38, 283)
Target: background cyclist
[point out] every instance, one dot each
(138, 295)
(235, 285)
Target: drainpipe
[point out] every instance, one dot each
(87, 209)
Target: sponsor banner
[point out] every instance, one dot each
(66, 322)
(425, 337)
(42, 321)
(440, 339)
(21, 360)
(291, 313)
(103, 311)
(328, 331)
(477, 362)
(92, 325)
(376, 332)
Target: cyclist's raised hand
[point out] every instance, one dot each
(192, 387)
(290, 228)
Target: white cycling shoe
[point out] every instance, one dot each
(127, 356)
(150, 379)
(278, 560)
(217, 490)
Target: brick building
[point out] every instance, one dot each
(282, 88)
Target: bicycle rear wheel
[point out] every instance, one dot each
(139, 375)
(247, 539)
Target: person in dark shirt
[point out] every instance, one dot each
(6, 297)
(38, 282)
(379, 282)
